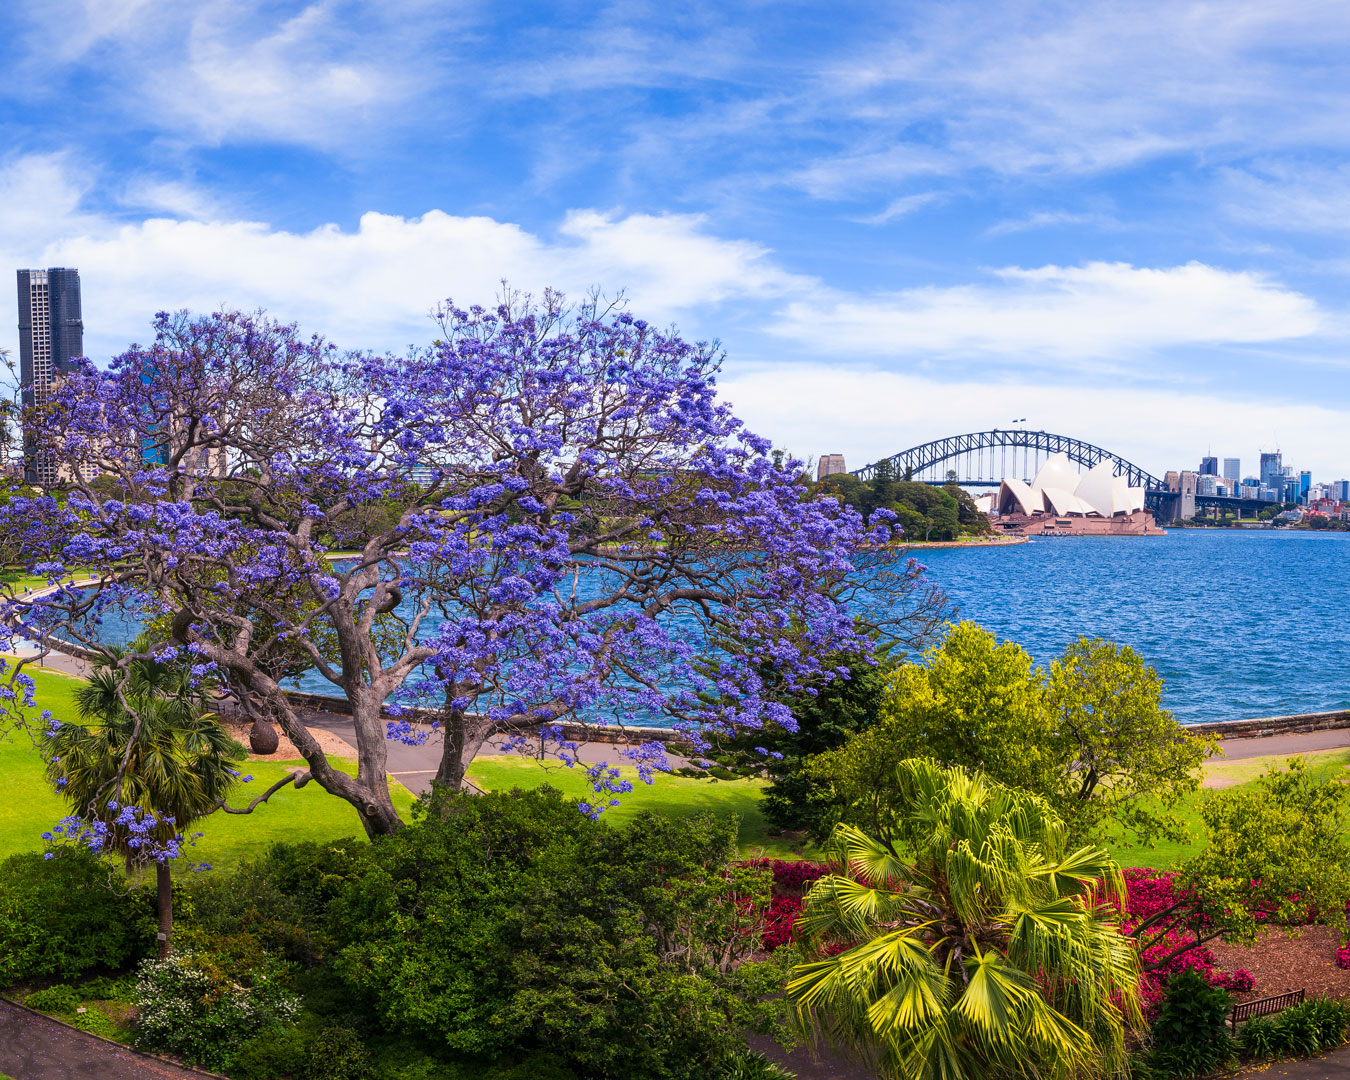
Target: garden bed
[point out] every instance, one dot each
(1283, 961)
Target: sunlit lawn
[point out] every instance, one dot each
(29, 807)
(676, 796)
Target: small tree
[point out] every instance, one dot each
(974, 943)
(1090, 736)
(153, 761)
(1275, 854)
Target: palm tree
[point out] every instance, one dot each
(974, 947)
(151, 742)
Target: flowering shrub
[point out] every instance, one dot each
(1343, 956)
(1148, 892)
(183, 1009)
(792, 879)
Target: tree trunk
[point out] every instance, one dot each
(372, 755)
(464, 737)
(164, 888)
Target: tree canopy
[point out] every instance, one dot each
(1089, 735)
(582, 528)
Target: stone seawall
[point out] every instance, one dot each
(1273, 725)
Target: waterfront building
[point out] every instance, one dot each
(1232, 469)
(51, 332)
(1304, 485)
(1060, 502)
(829, 465)
(1209, 466)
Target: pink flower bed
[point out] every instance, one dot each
(1147, 892)
(792, 879)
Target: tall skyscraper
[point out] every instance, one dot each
(1209, 466)
(51, 331)
(829, 465)
(1232, 468)
(1272, 470)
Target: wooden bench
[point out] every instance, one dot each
(1264, 1006)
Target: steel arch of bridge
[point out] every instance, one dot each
(919, 460)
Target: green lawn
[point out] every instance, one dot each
(677, 796)
(30, 807)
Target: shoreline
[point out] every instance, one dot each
(995, 541)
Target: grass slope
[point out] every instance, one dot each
(676, 796)
(30, 807)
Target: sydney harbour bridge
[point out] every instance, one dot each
(985, 458)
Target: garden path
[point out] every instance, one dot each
(1332, 1066)
(36, 1048)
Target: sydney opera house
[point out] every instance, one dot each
(1061, 502)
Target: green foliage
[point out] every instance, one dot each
(506, 923)
(980, 951)
(279, 899)
(65, 915)
(1276, 851)
(925, 512)
(337, 1053)
(754, 1066)
(186, 1006)
(1300, 1031)
(274, 1053)
(102, 988)
(1090, 735)
(59, 998)
(1190, 1036)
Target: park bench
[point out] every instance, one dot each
(1264, 1006)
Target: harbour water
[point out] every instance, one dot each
(1238, 623)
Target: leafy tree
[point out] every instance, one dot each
(516, 924)
(973, 942)
(580, 517)
(153, 761)
(1090, 736)
(1190, 1036)
(1119, 757)
(1275, 852)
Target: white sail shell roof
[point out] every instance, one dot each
(1059, 489)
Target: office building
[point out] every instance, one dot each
(1209, 466)
(1272, 470)
(829, 465)
(1232, 469)
(1304, 485)
(51, 332)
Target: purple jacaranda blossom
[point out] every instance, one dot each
(583, 534)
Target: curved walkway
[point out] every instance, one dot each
(37, 1048)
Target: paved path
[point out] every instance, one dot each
(1301, 743)
(1334, 1066)
(35, 1048)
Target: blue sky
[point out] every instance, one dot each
(1124, 221)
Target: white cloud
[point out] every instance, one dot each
(868, 414)
(905, 204)
(1099, 310)
(1289, 196)
(1049, 219)
(372, 286)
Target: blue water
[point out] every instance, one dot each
(1238, 623)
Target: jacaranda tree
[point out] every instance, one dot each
(583, 532)
(972, 944)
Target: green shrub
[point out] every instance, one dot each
(102, 988)
(281, 1051)
(1259, 1038)
(751, 1065)
(337, 1053)
(97, 1022)
(505, 924)
(185, 1008)
(1300, 1031)
(1190, 1036)
(55, 999)
(65, 915)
